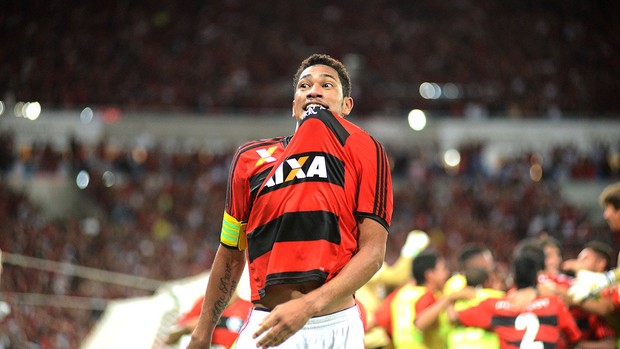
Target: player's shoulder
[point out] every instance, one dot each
(550, 302)
(361, 135)
(252, 148)
(258, 153)
(249, 145)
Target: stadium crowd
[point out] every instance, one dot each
(516, 58)
(157, 214)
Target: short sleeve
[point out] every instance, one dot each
(375, 199)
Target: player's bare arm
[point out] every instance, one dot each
(223, 280)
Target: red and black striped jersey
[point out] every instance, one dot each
(249, 168)
(541, 325)
(593, 327)
(612, 293)
(303, 221)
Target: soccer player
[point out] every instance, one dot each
(589, 283)
(416, 308)
(389, 277)
(465, 337)
(589, 315)
(472, 255)
(477, 268)
(311, 213)
(552, 280)
(523, 318)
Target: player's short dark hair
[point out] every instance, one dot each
(547, 240)
(329, 61)
(424, 261)
(525, 269)
(468, 252)
(602, 250)
(476, 276)
(611, 196)
(531, 247)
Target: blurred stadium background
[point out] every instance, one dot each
(118, 121)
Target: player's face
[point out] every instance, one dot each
(320, 84)
(589, 260)
(441, 273)
(484, 260)
(612, 216)
(553, 259)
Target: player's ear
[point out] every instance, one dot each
(347, 106)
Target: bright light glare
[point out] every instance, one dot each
(108, 178)
(430, 90)
(1, 107)
(139, 155)
(82, 179)
(417, 119)
(452, 158)
(90, 226)
(18, 109)
(536, 173)
(86, 116)
(451, 91)
(32, 110)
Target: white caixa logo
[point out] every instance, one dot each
(317, 168)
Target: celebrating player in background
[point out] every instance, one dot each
(477, 268)
(473, 255)
(417, 307)
(588, 283)
(388, 278)
(316, 208)
(552, 280)
(523, 318)
(590, 314)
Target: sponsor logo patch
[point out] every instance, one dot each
(266, 155)
(308, 167)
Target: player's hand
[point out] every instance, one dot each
(282, 322)
(571, 264)
(588, 284)
(417, 240)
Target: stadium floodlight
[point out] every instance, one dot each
(451, 91)
(430, 90)
(452, 158)
(417, 119)
(82, 179)
(86, 116)
(32, 110)
(108, 178)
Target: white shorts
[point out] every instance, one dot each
(343, 329)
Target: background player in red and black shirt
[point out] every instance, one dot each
(524, 318)
(587, 283)
(315, 222)
(597, 333)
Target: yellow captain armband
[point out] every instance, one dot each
(233, 232)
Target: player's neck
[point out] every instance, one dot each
(528, 293)
(522, 297)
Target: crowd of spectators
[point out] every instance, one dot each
(157, 214)
(514, 58)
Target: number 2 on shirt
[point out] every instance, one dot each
(528, 322)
